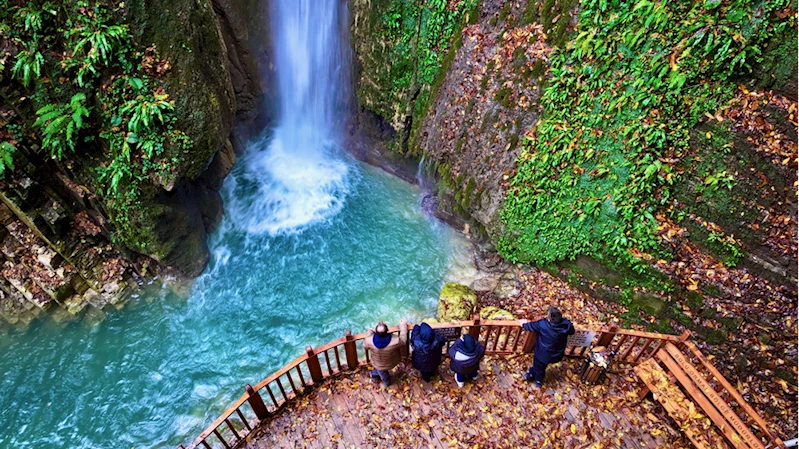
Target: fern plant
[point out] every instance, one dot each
(28, 65)
(145, 111)
(60, 124)
(93, 48)
(6, 157)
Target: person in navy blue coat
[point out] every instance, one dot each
(464, 358)
(550, 344)
(426, 345)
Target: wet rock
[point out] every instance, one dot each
(486, 283)
(495, 313)
(456, 302)
(506, 288)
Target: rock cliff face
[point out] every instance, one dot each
(468, 121)
(55, 233)
(725, 245)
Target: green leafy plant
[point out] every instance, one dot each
(6, 157)
(60, 124)
(94, 86)
(94, 42)
(720, 178)
(28, 65)
(623, 93)
(145, 111)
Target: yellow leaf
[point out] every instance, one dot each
(573, 429)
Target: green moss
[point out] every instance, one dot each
(530, 12)
(579, 192)
(732, 324)
(503, 97)
(694, 301)
(660, 327)
(495, 313)
(779, 61)
(680, 317)
(467, 193)
(504, 11)
(484, 82)
(785, 375)
(519, 59)
(712, 336)
(547, 14)
(459, 144)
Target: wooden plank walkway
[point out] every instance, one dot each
(498, 410)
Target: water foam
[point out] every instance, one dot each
(296, 175)
(285, 187)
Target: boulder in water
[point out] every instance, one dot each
(456, 302)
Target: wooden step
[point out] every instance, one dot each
(678, 406)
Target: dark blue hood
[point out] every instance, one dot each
(426, 344)
(469, 346)
(381, 341)
(561, 328)
(426, 334)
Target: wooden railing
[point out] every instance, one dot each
(499, 337)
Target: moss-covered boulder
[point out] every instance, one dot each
(456, 302)
(495, 313)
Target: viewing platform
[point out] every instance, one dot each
(325, 399)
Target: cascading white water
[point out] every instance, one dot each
(301, 176)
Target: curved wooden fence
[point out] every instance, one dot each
(259, 402)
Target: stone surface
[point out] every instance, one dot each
(495, 313)
(456, 302)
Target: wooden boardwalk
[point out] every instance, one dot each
(498, 410)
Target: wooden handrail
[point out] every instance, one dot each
(694, 351)
(605, 336)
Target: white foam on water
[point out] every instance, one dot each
(297, 176)
(293, 182)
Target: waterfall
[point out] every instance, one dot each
(296, 175)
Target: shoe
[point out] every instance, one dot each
(538, 385)
(528, 377)
(476, 375)
(374, 376)
(460, 384)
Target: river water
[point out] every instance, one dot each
(312, 243)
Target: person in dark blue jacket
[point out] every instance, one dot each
(426, 345)
(550, 343)
(464, 358)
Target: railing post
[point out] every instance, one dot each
(606, 335)
(313, 365)
(405, 348)
(351, 350)
(256, 403)
(685, 335)
(529, 342)
(474, 329)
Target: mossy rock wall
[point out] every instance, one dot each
(214, 79)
